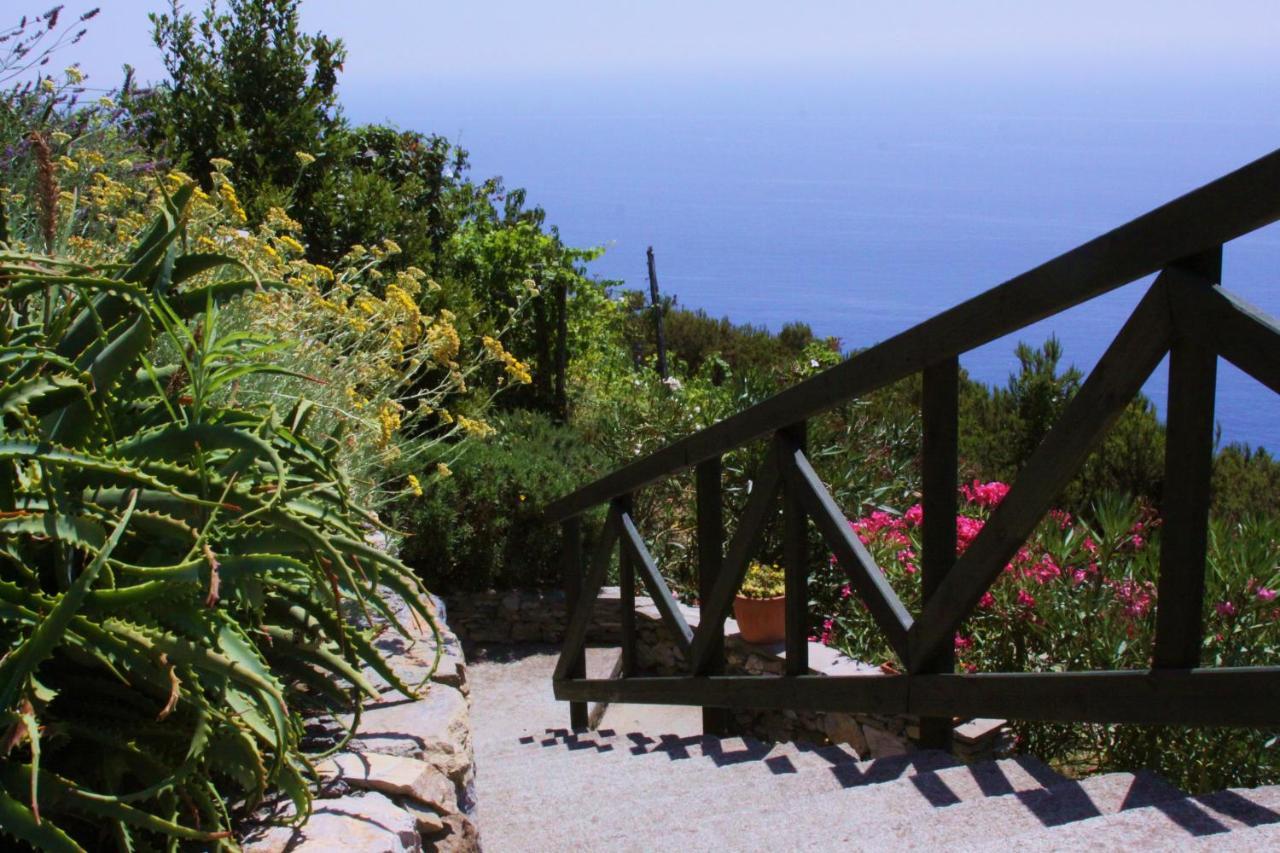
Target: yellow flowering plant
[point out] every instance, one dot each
(390, 383)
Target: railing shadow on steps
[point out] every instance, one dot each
(1055, 801)
(1185, 313)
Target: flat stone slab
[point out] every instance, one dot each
(369, 823)
(978, 728)
(393, 774)
(433, 729)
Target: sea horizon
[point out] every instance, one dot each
(861, 210)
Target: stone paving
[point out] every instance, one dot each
(647, 781)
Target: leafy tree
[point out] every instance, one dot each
(246, 85)
(1246, 483)
(1002, 427)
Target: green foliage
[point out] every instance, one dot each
(245, 85)
(1246, 483)
(1000, 428)
(1081, 595)
(174, 568)
(376, 181)
(482, 526)
(696, 339)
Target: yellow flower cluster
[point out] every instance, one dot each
(389, 421)
(474, 427)
(379, 360)
(443, 342)
(517, 370)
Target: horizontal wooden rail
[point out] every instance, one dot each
(1184, 312)
(1199, 221)
(1247, 696)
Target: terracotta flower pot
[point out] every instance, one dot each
(761, 620)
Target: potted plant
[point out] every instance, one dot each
(760, 606)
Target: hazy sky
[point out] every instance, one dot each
(406, 42)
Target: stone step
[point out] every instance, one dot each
(881, 818)
(1255, 839)
(1221, 820)
(915, 786)
(640, 744)
(584, 760)
(569, 740)
(646, 742)
(609, 770)
(819, 769)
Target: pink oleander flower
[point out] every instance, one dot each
(1137, 542)
(1225, 608)
(1135, 598)
(969, 667)
(1090, 545)
(967, 530)
(1062, 517)
(987, 601)
(1026, 599)
(963, 642)
(845, 591)
(986, 495)
(915, 515)
(1266, 594)
(1044, 571)
(906, 555)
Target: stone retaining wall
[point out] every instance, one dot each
(407, 781)
(516, 616)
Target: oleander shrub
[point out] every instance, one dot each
(1081, 595)
(177, 567)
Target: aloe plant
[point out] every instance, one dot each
(177, 573)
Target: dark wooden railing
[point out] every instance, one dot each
(1185, 313)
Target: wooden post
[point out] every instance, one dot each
(795, 546)
(1188, 469)
(627, 598)
(939, 409)
(572, 577)
(562, 352)
(715, 721)
(658, 327)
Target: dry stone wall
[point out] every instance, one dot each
(406, 782)
(518, 616)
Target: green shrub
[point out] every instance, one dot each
(482, 526)
(696, 338)
(1081, 595)
(173, 566)
(1001, 427)
(1246, 483)
(247, 85)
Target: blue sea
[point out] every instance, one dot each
(863, 206)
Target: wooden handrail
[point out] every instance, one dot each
(1197, 222)
(1185, 313)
